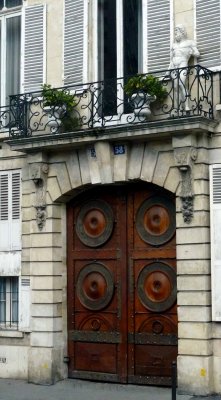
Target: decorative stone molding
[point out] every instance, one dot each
(184, 158)
(39, 173)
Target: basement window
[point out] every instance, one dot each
(8, 302)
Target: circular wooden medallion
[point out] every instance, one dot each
(94, 223)
(95, 286)
(155, 220)
(157, 287)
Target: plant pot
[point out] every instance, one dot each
(54, 114)
(141, 103)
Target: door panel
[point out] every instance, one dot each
(96, 283)
(122, 317)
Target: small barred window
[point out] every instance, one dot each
(9, 302)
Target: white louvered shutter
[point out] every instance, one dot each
(75, 41)
(158, 34)
(34, 36)
(215, 224)
(10, 211)
(24, 303)
(16, 210)
(208, 32)
(4, 212)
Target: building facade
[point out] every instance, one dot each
(109, 214)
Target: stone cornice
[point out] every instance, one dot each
(144, 131)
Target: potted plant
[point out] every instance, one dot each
(58, 104)
(143, 90)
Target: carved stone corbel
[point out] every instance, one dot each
(185, 158)
(39, 173)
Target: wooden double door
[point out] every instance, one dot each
(122, 315)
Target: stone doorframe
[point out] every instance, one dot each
(178, 165)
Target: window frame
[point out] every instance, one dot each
(9, 323)
(5, 8)
(5, 14)
(214, 68)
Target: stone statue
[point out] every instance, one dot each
(181, 52)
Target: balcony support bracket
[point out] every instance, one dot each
(184, 159)
(38, 173)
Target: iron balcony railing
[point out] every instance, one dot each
(189, 93)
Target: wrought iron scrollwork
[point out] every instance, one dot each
(105, 103)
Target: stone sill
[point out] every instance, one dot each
(144, 131)
(11, 334)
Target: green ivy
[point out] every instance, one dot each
(147, 83)
(58, 97)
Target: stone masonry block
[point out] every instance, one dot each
(46, 324)
(194, 314)
(47, 282)
(188, 251)
(135, 161)
(73, 169)
(16, 366)
(194, 298)
(105, 161)
(94, 167)
(195, 267)
(172, 180)
(120, 166)
(180, 141)
(164, 162)
(216, 330)
(201, 186)
(149, 163)
(192, 235)
(59, 170)
(46, 268)
(84, 167)
(186, 18)
(195, 347)
(200, 218)
(46, 296)
(217, 347)
(46, 254)
(54, 188)
(194, 283)
(194, 330)
(44, 365)
(46, 310)
(49, 339)
(200, 171)
(195, 374)
(45, 239)
(217, 374)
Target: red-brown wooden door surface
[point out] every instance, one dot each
(122, 317)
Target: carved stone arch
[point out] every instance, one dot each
(106, 163)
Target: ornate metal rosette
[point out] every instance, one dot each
(157, 287)
(95, 286)
(94, 223)
(155, 220)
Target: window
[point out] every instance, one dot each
(119, 39)
(10, 210)
(215, 232)
(208, 34)
(130, 36)
(10, 49)
(8, 302)
(10, 247)
(10, 3)
(119, 47)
